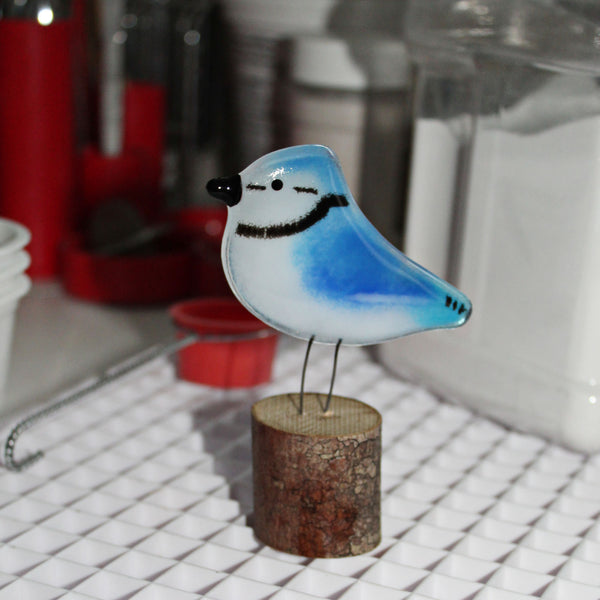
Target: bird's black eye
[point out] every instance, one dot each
(277, 184)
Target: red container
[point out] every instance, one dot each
(136, 173)
(229, 363)
(37, 135)
(145, 279)
(202, 230)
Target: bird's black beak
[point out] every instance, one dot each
(227, 189)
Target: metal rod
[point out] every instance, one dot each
(310, 342)
(109, 375)
(335, 360)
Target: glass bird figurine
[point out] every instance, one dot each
(300, 255)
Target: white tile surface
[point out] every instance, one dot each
(470, 510)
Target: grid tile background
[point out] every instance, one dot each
(145, 492)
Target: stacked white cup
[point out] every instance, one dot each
(14, 284)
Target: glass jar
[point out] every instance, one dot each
(505, 203)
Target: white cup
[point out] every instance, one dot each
(13, 237)
(12, 290)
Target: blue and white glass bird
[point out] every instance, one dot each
(300, 255)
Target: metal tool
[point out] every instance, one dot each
(108, 376)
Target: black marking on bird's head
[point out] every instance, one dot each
(306, 190)
(320, 211)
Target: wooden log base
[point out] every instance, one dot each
(317, 482)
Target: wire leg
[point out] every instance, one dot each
(335, 359)
(308, 347)
(80, 392)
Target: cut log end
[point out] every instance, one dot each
(317, 475)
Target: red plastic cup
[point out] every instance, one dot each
(230, 363)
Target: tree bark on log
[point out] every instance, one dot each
(317, 476)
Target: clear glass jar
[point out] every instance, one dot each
(504, 172)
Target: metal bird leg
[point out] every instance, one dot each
(335, 359)
(308, 347)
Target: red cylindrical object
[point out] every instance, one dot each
(144, 109)
(136, 173)
(37, 145)
(144, 279)
(105, 177)
(144, 133)
(224, 364)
